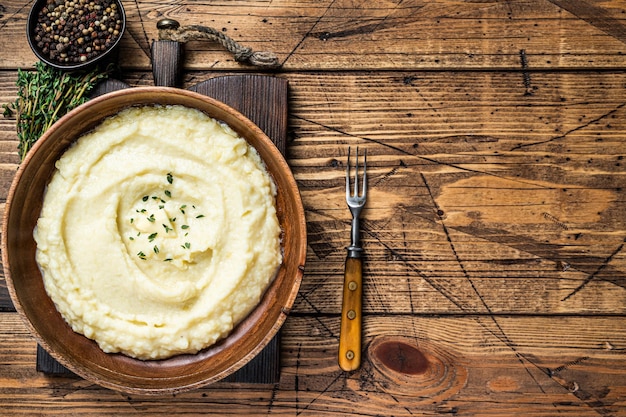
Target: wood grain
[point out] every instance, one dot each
(543, 365)
(494, 233)
(481, 196)
(335, 35)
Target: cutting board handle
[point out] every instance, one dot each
(167, 58)
(167, 63)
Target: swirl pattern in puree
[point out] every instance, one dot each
(158, 232)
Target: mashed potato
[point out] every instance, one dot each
(158, 232)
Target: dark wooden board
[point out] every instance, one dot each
(263, 100)
(5, 299)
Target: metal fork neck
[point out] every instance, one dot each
(355, 250)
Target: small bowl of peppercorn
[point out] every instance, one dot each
(74, 34)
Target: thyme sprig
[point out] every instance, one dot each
(44, 96)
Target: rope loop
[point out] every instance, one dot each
(171, 31)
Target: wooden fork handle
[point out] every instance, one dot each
(351, 317)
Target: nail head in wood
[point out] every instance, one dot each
(168, 24)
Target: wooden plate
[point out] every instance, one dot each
(82, 355)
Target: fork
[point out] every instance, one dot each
(350, 334)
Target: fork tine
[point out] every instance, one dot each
(356, 174)
(352, 185)
(348, 175)
(364, 190)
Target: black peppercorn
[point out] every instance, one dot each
(75, 31)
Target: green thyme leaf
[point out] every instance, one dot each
(45, 95)
(170, 178)
(152, 237)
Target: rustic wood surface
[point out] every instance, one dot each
(495, 275)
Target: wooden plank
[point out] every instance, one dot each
(494, 232)
(531, 366)
(482, 197)
(336, 35)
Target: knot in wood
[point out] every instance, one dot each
(402, 367)
(401, 357)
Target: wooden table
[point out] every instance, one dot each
(495, 227)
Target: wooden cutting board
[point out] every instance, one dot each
(263, 99)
